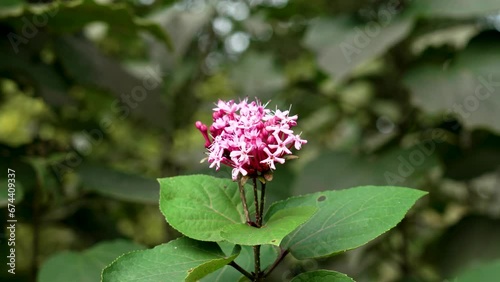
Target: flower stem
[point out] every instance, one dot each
(258, 214)
(258, 221)
(262, 199)
(276, 262)
(257, 272)
(244, 202)
(241, 270)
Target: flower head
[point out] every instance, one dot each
(248, 137)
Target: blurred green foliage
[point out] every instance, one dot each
(98, 99)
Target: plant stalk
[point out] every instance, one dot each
(244, 202)
(241, 270)
(262, 199)
(258, 221)
(276, 262)
(258, 215)
(257, 272)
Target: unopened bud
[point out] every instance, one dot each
(271, 140)
(268, 176)
(198, 124)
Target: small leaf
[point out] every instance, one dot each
(85, 266)
(200, 206)
(322, 276)
(345, 219)
(272, 232)
(183, 259)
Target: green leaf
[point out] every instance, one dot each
(345, 219)
(341, 44)
(487, 272)
(183, 259)
(87, 65)
(47, 83)
(322, 276)
(268, 254)
(10, 7)
(257, 76)
(469, 89)
(117, 184)
(454, 8)
(459, 243)
(85, 266)
(45, 177)
(69, 17)
(401, 167)
(201, 206)
(9, 3)
(182, 27)
(272, 232)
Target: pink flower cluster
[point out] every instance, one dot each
(248, 137)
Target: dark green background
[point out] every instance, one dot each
(99, 100)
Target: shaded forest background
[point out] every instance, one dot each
(98, 99)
